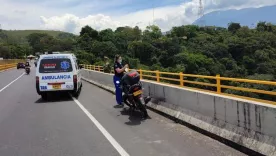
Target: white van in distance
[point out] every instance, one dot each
(58, 72)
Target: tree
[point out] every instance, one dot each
(101, 49)
(152, 32)
(93, 34)
(84, 57)
(141, 50)
(233, 27)
(35, 41)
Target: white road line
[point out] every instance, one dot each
(11, 83)
(114, 143)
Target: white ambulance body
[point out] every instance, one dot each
(57, 72)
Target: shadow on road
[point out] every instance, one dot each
(118, 106)
(55, 97)
(135, 117)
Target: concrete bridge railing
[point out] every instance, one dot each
(248, 123)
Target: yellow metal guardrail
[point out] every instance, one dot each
(93, 67)
(7, 66)
(216, 82)
(11, 63)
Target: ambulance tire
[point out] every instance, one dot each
(44, 96)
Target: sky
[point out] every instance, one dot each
(72, 15)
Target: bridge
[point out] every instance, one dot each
(93, 125)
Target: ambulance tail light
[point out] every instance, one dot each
(75, 79)
(37, 79)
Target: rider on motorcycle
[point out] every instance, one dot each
(27, 67)
(27, 64)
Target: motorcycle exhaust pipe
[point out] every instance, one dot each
(142, 100)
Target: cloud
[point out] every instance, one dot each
(22, 12)
(71, 15)
(72, 23)
(165, 17)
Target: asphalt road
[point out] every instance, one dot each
(60, 127)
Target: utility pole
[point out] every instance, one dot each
(152, 14)
(201, 13)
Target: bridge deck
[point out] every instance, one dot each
(33, 127)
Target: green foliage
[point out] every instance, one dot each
(84, 57)
(234, 27)
(93, 34)
(235, 51)
(20, 43)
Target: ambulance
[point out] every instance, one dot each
(58, 73)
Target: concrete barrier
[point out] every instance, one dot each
(247, 123)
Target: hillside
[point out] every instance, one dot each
(20, 35)
(246, 17)
(24, 33)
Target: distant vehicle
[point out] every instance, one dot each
(20, 65)
(35, 62)
(28, 70)
(56, 73)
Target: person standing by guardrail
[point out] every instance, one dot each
(107, 68)
(118, 74)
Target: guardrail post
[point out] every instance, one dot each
(157, 76)
(141, 74)
(218, 83)
(181, 77)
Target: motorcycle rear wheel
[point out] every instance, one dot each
(143, 110)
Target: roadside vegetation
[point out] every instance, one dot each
(236, 51)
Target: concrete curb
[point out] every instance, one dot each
(235, 136)
(109, 89)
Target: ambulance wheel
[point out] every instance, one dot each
(77, 93)
(44, 96)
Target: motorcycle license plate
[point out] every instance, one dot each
(58, 86)
(139, 92)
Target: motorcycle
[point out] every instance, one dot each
(133, 92)
(27, 70)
